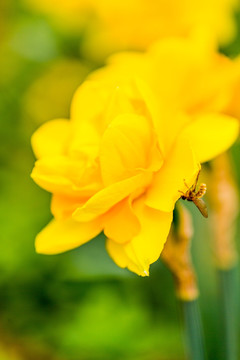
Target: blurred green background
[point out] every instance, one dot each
(78, 305)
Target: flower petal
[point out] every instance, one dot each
(51, 138)
(87, 106)
(181, 164)
(89, 101)
(62, 175)
(60, 236)
(117, 253)
(102, 201)
(179, 61)
(211, 134)
(121, 224)
(62, 206)
(146, 247)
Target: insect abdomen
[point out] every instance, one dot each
(202, 207)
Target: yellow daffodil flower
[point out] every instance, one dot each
(139, 127)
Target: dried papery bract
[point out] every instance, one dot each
(176, 255)
(224, 200)
(225, 208)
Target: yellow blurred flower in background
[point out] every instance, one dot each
(135, 24)
(138, 128)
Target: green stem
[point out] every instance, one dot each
(228, 281)
(193, 329)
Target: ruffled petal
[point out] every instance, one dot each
(60, 236)
(51, 138)
(102, 201)
(126, 148)
(211, 134)
(62, 175)
(180, 165)
(119, 102)
(95, 105)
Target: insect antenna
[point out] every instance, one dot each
(196, 181)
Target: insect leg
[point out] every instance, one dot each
(188, 187)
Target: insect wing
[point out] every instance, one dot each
(202, 207)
